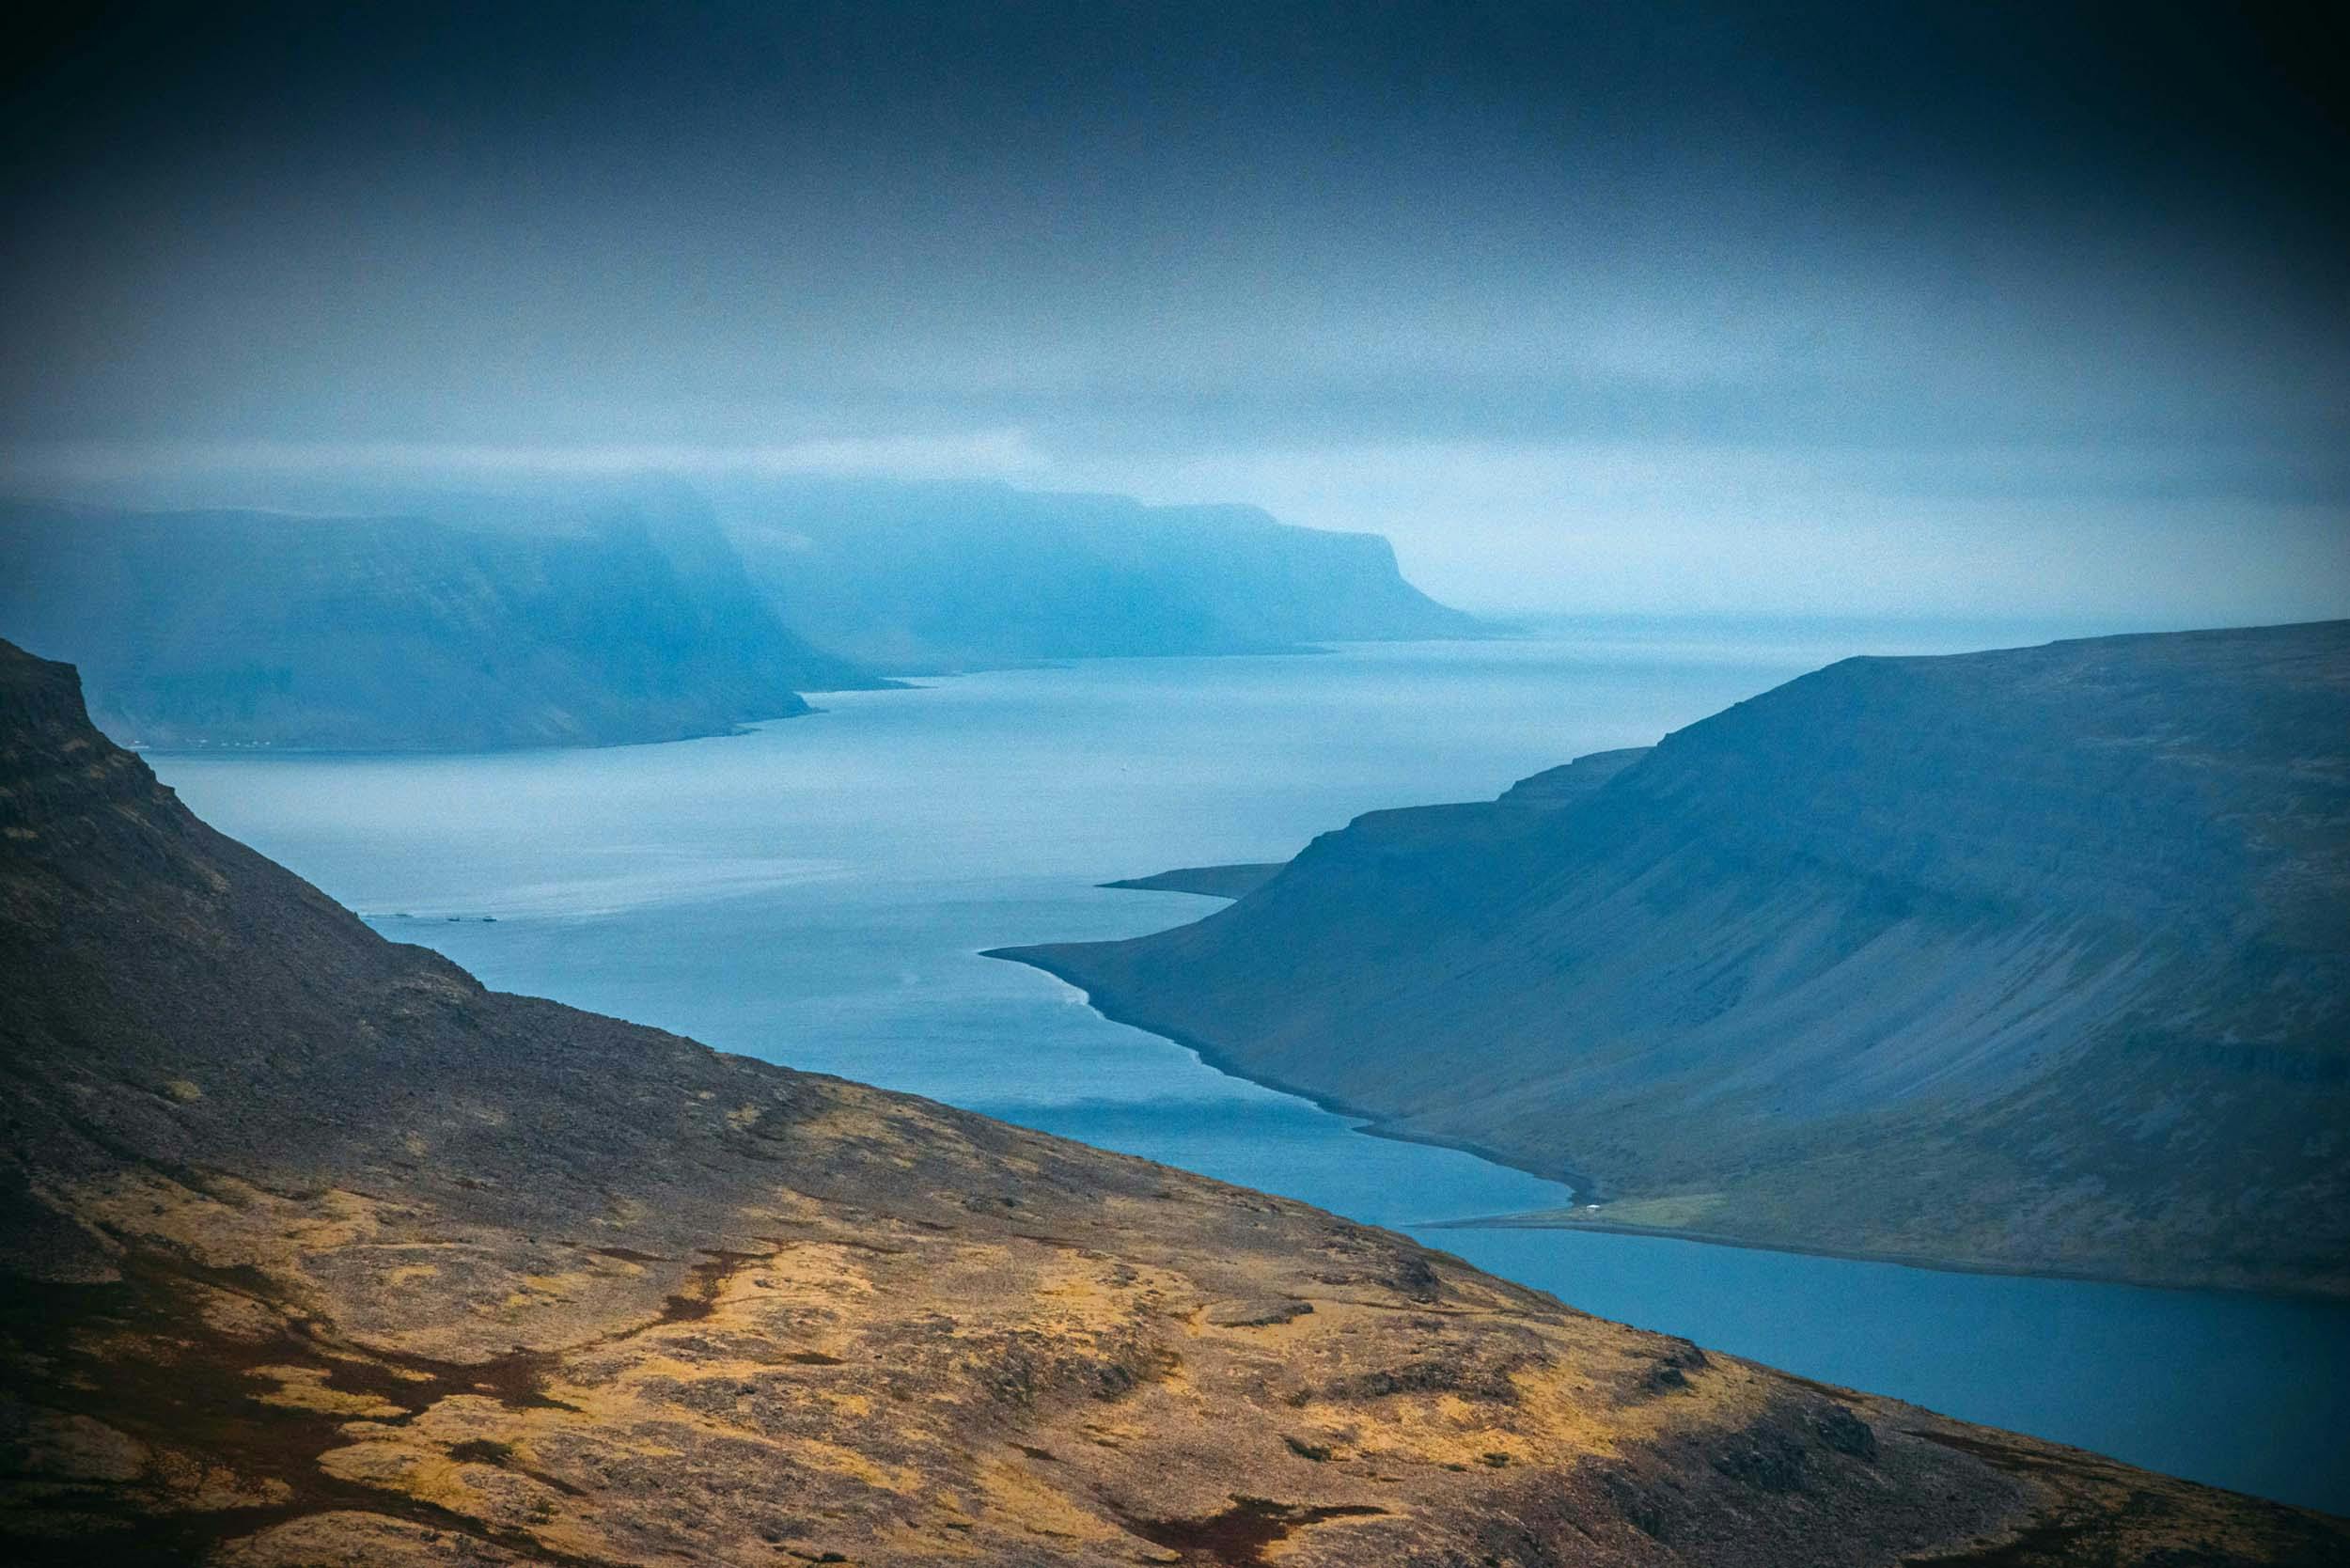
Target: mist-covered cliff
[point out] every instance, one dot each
(913, 577)
(381, 612)
(625, 620)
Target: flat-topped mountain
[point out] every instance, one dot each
(913, 577)
(314, 1251)
(630, 619)
(345, 612)
(2036, 959)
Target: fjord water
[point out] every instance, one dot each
(817, 893)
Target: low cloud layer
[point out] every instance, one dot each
(1650, 308)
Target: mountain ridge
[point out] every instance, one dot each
(350, 612)
(926, 578)
(2016, 959)
(628, 623)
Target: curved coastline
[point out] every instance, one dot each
(1112, 1007)
(1109, 1007)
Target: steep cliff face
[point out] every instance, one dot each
(928, 577)
(314, 1251)
(630, 620)
(2034, 959)
(358, 614)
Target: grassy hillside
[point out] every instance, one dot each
(314, 1251)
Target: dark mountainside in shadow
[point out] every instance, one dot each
(314, 1251)
(2032, 959)
(625, 622)
(912, 578)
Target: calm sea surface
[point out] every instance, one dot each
(816, 893)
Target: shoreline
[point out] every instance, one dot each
(1208, 1054)
(1109, 1007)
(1230, 883)
(1891, 1260)
(265, 750)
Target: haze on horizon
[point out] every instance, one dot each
(2003, 311)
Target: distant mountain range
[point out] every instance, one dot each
(909, 578)
(315, 1251)
(2036, 959)
(392, 617)
(245, 629)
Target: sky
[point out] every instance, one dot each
(1970, 311)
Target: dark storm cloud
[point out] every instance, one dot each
(1133, 239)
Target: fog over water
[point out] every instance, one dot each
(817, 893)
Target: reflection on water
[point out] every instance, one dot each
(817, 893)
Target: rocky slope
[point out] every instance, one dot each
(312, 1251)
(2036, 959)
(626, 619)
(907, 577)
